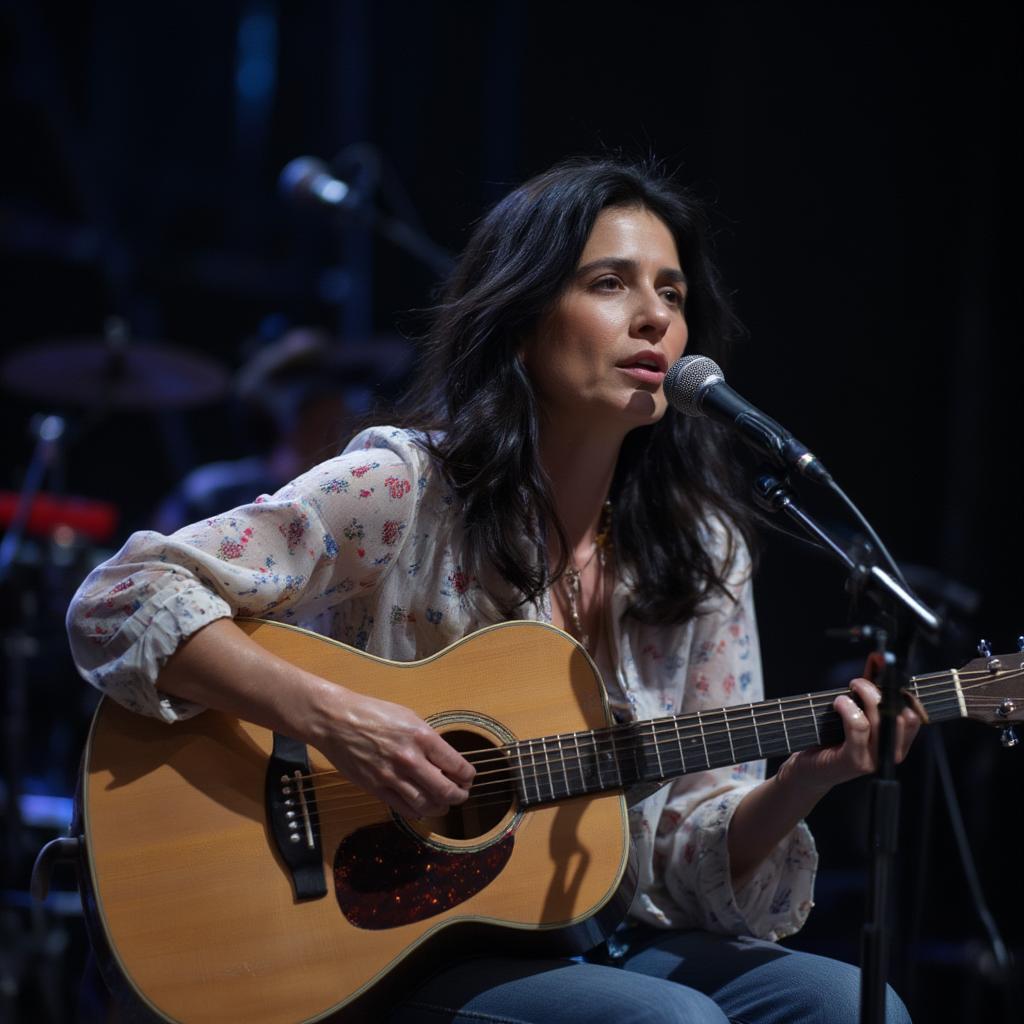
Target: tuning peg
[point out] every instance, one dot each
(1009, 737)
(984, 648)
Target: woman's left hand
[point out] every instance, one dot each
(818, 769)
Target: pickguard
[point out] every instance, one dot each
(385, 878)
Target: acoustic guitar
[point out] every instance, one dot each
(230, 874)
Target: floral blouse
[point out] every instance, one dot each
(366, 548)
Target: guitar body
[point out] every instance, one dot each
(196, 909)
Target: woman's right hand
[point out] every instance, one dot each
(390, 752)
(383, 748)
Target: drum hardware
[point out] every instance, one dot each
(114, 373)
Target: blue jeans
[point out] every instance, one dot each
(665, 977)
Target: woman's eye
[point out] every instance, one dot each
(607, 284)
(676, 297)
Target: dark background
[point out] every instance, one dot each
(863, 167)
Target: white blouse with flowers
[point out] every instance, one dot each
(366, 548)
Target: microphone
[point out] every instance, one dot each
(308, 180)
(695, 385)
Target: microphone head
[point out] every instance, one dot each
(297, 175)
(688, 380)
(307, 179)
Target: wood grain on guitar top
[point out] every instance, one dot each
(195, 903)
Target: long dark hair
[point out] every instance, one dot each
(480, 418)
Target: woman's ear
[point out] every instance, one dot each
(521, 348)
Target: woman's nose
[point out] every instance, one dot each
(651, 315)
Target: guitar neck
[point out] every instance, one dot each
(553, 768)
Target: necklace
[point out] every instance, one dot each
(574, 572)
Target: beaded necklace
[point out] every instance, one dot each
(573, 573)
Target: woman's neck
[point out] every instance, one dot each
(580, 470)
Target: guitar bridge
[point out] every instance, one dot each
(292, 817)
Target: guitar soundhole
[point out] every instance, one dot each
(492, 795)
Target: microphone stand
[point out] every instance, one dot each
(19, 647)
(903, 614)
(307, 179)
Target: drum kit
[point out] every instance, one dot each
(51, 539)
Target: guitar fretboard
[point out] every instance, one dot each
(552, 768)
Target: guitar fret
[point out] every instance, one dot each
(596, 765)
(657, 751)
(547, 768)
(728, 733)
(782, 718)
(597, 761)
(814, 717)
(671, 744)
(579, 762)
(939, 706)
(522, 772)
(757, 736)
(772, 732)
(703, 739)
(679, 743)
(615, 756)
(535, 766)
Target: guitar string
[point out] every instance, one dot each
(672, 729)
(361, 797)
(554, 774)
(718, 741)
(974, 672)
(499, 794)
(504, 795)
(381, 812)
(478, 800)
(819, 701)
(540, 764)
(507, 793)
(332, 814)
(562, 764)
(668, 729)
(559, 768)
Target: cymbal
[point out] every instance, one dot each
(314, 351)
(98, 374)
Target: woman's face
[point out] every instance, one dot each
(600, 355)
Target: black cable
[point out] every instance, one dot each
(875, 539)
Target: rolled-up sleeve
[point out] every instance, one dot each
(691, 836)
(332, 533)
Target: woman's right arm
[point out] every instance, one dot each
(153, 627)
(382, 747)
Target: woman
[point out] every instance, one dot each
(540, 476)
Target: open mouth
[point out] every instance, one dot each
(646, 366)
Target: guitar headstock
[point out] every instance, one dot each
(993, 689)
